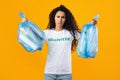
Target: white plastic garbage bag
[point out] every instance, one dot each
(88, 43)
(30, 36)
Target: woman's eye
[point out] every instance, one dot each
(58, 16)
(63, 16)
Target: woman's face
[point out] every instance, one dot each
(60, 19)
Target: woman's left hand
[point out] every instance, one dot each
(94, 22)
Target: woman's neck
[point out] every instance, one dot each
(58, 29)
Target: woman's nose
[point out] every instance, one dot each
(60, 19)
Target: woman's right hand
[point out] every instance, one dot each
(24, 19)
(21, 14)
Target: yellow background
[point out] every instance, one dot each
(17, 64)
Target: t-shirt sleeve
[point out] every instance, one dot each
(45, 32)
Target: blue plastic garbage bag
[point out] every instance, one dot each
(88, 43)
(30, 36)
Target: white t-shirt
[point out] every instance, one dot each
(59, 51)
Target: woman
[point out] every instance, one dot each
(61, 35)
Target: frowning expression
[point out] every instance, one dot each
(60, 19)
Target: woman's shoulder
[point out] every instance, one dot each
(47, 30)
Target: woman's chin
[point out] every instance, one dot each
(59, 26)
